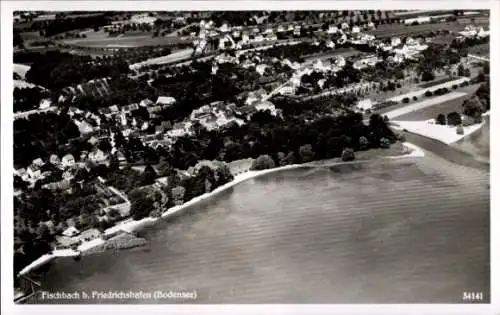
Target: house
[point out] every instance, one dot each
(355, 30)
(260, 69)
(71, 231)
(395, 41)
(68, 160)
(97, 156)
(332, 29)
(330, 44)
(344, 26)
(37, 162)
(114, 109)
(287, 90)
(93, 140)
(266, 105)
(146, 102)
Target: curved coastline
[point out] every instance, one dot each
(131, 226)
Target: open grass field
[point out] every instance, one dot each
(390, 30)
(102, 40)
(445, 107)
(482, 50)
(437, 82)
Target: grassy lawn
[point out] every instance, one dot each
(389, 30)
(436, 82)
(102, 40)
(480, 50)
(443, 108)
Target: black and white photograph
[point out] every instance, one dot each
(250, 156)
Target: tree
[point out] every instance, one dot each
(454, 119)
(384, 143)
(473, 108)
(461, 70)
(428, 93)
(406, 100)
(363, 143)
(427, 76)
(263, 162)
(415, 98)
(149, 175)
(441, 119)
(306, 153)
(348, 155)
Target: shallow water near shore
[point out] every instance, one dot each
(412, 230)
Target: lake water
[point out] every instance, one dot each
(412, 230)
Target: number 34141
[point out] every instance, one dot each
(472, 296)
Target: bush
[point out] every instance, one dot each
(384, 143)
(441, 119)
(454, 119)
(263, 162)
(454, 86)
(460, 130)
(468, 121)
(363, 143)
(406, 100)
(428, 93)
(415, 98)
(348, 155)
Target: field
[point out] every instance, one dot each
(442, 108)
(482, 50)
(389, 30)
(437, 82)
(102, 40)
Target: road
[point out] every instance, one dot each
(478, 58)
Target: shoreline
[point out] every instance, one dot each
(132, 226)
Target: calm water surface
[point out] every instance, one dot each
(399, 231)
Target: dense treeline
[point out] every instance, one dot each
(41, 135)
(58, 70)
(27, 98)
(265, 134)
(58, 26)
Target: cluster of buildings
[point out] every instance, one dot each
(472, 31)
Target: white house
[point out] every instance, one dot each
(344, 26)
(165, 100)
(330, 44)
(260, 69)
(224, 28)
(395, 41)
(68, 160)
(355, 30)
(37, 162)
(266, 105)
(71, 231)
(146, 102)
(287, 90)
(54, 160)
(97, 156)
(332, 29)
